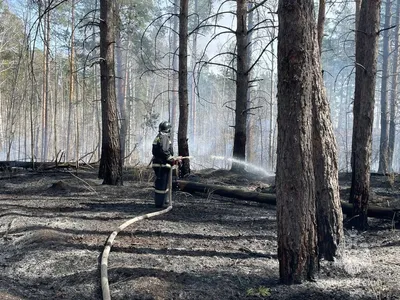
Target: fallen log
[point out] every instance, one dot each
(188, 186)
(9, 165)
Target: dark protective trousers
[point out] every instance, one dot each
(161, 185)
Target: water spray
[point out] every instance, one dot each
(250, 166)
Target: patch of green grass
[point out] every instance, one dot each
(261, 291)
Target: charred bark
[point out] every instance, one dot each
(364, 100)
(183, 147)
(111, 161)
(327, 198)
(121, 97)
(242, 78)
(40, 165)
(295, 183)
(384, 138)
(393, 95)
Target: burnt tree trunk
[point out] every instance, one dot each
(45, 86)
(329, 213)
(175, 75)
(71, 94)
(110, 169)
(327, 197)
(355, 104)
(120, 84)
(384, 141)
(193, 97)
(295, 183)
(242, 78)
(183, 147)
(364, 100)
(393, 94)
(249, 118)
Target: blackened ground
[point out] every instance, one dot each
(53, 227)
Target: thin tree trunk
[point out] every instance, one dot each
(262, 139)
(97, 103)
(129, 101)
(193, 95)
(242, 81)
(183, 147)
(271, 114)
(11, 108)
(249, 136)
(77, 133)
(175, 75)
(71, 81)
(31, 119)
(55, 118)
(126, 114)
(356, 106)
(321, 23)
(364, 100)
(45, 91)
(120, 87)
(393, 94)
(384, 141)
(26, 116)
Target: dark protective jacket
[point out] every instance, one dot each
(162, 149)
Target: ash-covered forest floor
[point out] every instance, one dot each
(53, 227)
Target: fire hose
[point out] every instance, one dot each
(105, 287)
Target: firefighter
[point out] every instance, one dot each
(162, 162)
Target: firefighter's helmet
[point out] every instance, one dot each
(164, 127)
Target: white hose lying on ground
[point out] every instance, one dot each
(105, 287)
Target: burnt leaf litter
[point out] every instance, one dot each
(53, 227)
